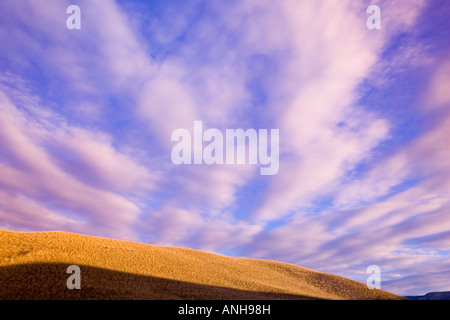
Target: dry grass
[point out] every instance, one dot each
(33, 265)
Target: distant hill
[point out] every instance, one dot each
(445, 295)
(34, 265)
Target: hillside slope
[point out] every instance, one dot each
(33, 266)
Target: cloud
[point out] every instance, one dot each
(28, 168)
(438, 96)
(174, 226)
(404, 232)
(324, 132)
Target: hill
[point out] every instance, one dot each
(445, 295)
(33, 266)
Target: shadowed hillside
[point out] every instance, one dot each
(33, 266)
(48, 281)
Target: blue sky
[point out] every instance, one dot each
(87, 116)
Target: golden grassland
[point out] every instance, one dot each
(33, 266)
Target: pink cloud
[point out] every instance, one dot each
(329, 61)
(401, 233)
(174, 226)
(30, 169)
(439, 95)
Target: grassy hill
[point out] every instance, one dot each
(33, 266)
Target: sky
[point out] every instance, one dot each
(87, 116)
